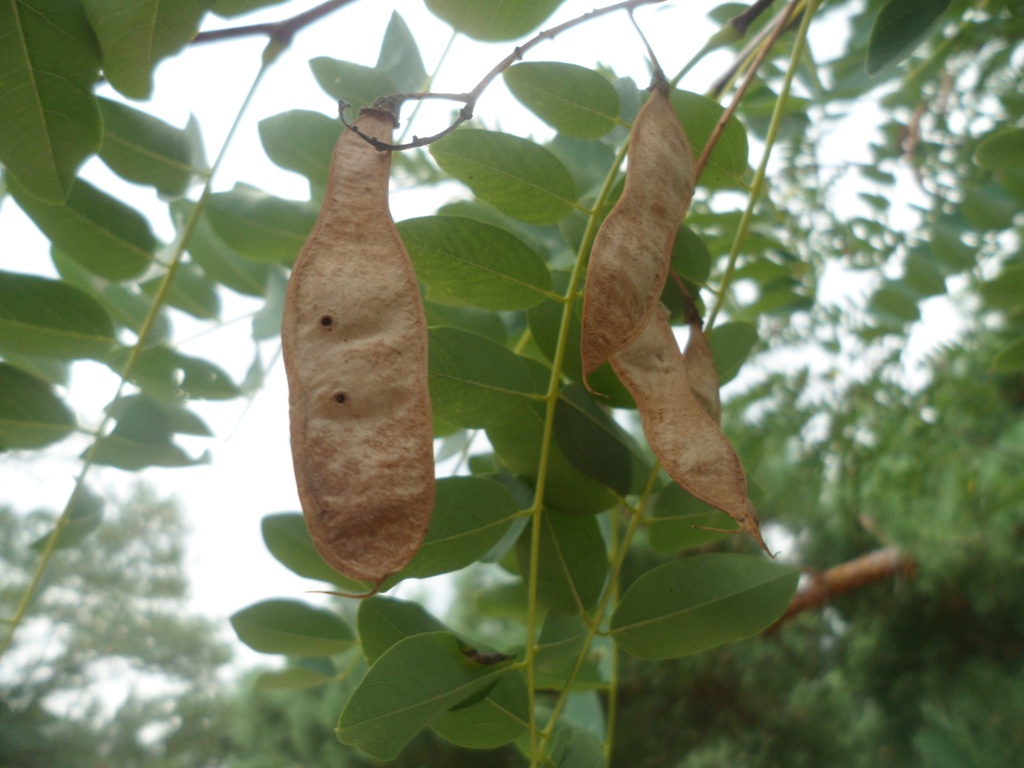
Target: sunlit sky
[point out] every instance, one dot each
(251, 474)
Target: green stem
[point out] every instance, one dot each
(89, 459)
(551, 398)
(759, 175)
(610, 591)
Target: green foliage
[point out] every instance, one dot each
(577, 558)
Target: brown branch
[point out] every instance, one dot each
(880, 565)
(775, 30)
(282, 31)
(770, 30)
(471, 97)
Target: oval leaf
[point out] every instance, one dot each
(260, 226)
(573, 100)
(898, 28)
(383, 621)
(50, 122)
(493, 21)
(471, 514)
(730, 347)
(287, 538)
(573, 561)
(475, 262)
(727, 165)
(291, 627)
(680, 522)
(412, 684)
(690, 605)
(98, 231)
(301, 141)
(514, 175)
(31, 415)
(49, 318)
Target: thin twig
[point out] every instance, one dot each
(879, 565)
(774, 31)
(470, 98)
(282, 31)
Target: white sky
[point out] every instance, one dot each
(251, 474)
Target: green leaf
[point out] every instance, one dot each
(383, 621)
(141, 438)
(179, 420)
(514, 175)
(573, 100)
(558, 649)
(493, 21)
(475, 262)
(499, 718)
(921, 276)
(291, 627)
(545, 321)
(50, 122)
(574, 747)
(988, 206)
(31, 415)
(898, 28)
(135, 36)
(260, 226)
(691, 259)
(85, 517)
(190, 291)
(676, 515)
(142, 149)
(125, 306)
(573, 562)
(98, 231)
(475, 382)
(49, 318)
(302, 141)
(1001, 150)
(400, 58)
(356, 84)
(291, 679)
(730, 347)
(219, 260)
(408, 688)
(948, 247)
(517, 439)
(690, 605)
(167, 374)
(231, 8)
(1011, 358)
(287, 538)
(471, 514)
(894, 305)
(592, 441)
(727, 165)
(1005, 291)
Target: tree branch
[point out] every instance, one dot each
(880, 565)
(282, 31)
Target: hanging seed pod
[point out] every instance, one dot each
(686, 440)
(630, 258)
(354, 340)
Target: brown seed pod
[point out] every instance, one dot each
(700, 365)
(630, 258)
(686, 440)
(354, 341)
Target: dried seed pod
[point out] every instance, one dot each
(630, 258)
(700, 365)
(354, 340)
(688, 443)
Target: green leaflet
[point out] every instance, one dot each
(573, 100)
(50, 122)
(690, 605)
(291, 627)
(516, 176)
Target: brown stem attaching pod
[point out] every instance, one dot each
(354, 340)
(630, 258)
(686, 440)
